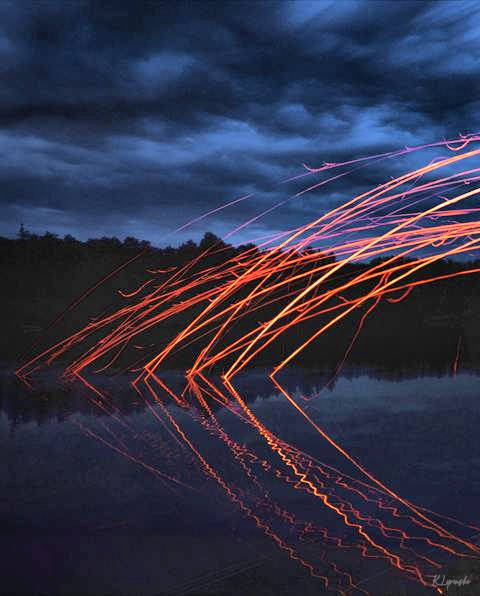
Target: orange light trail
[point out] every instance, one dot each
(230, 313)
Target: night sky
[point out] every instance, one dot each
(130, 118)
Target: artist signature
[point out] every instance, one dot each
(441, 581)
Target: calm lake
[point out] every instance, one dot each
(133, 496)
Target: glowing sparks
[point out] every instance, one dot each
(228, 313)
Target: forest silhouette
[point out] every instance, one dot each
(44, 274)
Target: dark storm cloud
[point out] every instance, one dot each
(130, 118)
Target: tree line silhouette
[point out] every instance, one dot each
(43, 274)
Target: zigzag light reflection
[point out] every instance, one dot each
(412, 222)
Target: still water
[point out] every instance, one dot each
(137, 497)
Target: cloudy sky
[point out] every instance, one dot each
(130, 118)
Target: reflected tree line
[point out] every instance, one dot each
(50, 400)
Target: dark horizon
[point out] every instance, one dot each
(57, 272)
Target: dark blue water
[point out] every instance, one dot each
(80, 516)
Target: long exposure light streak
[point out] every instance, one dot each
(226, 312)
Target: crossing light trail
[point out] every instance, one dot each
(226, 312)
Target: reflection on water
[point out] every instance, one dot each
(49, 399)
(127, 503)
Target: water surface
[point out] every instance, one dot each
(83, 510)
